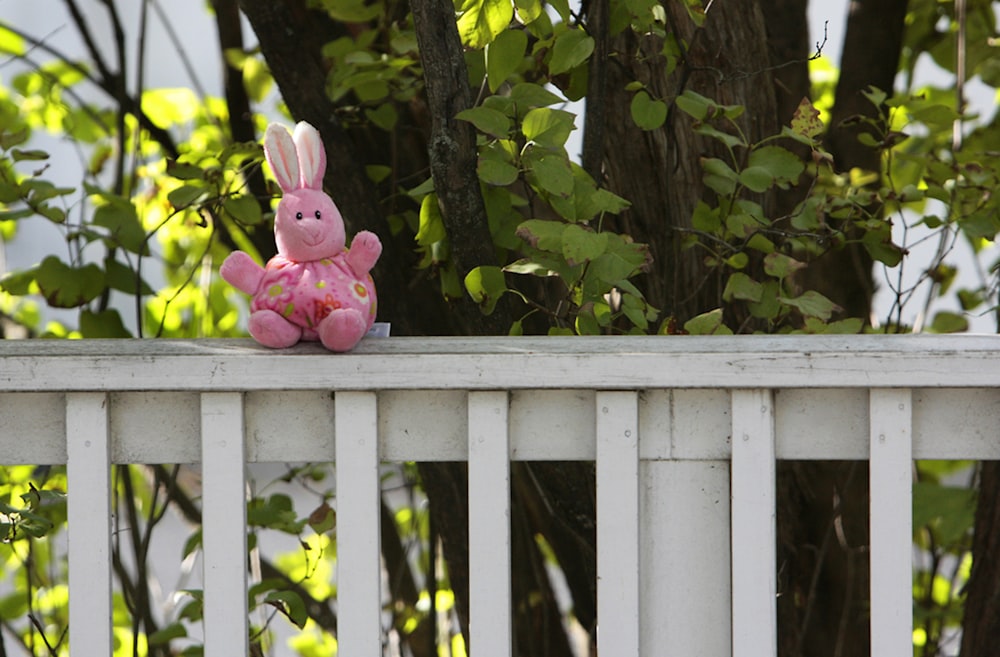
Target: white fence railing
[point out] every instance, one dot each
(685, 433)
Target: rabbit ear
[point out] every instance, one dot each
(312, 155)
(279, 149)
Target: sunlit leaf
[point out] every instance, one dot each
(480, 21)
(431, 228)
(504, 55)
(571, 49)
(486, 285)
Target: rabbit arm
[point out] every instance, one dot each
(240, 271)
(364, 252)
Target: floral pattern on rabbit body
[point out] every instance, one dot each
(304, 293)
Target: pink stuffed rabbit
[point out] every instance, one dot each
(315, 288)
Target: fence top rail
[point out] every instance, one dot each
(608, 363)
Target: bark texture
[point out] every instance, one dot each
(660, 171)
(981, 626)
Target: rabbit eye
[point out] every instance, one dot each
(298, 216)
(317, 215)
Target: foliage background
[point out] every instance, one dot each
(173, 199)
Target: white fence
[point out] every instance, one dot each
(684, 431)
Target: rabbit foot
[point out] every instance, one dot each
(342, 329)
(272, 330)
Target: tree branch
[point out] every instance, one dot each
(453, 151)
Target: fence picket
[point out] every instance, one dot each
(224, 524)
(618, 523)
(88, 472)
(753, 525)
(359, 567)
(891, 474)
(489, 525)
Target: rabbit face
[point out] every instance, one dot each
(308, 226)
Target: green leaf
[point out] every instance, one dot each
(551, 172)
(547, 127)
(879, 245)
(290, 604)
(948, 322)
(731, 141)
(118, 215)
(647, 113)
(740, 286)
(504, 55)
(431, 228)
(571, 49)
(709, 323)
(32, 155)
(542, 234)
(18, 283)
(482, 20)
(719, 176)
(756, 179)
(244, 209)
(11, 43)
(528, 10)
(948, 509)
(782, 164)
(705, 218)
(164, 635)
(528, 95)
(486, 285)
(581, 245)
(812, 304)
(104, 324)
(695, 105)
(497, 172)
(323, 518)
(64, 286)
(120, 277)
(613, 266)
(185, 195)
(780, 265)
(487, 120)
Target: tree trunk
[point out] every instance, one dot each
(981, 625)
(660, 172)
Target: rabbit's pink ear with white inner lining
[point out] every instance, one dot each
(312, 156)
(279, 149)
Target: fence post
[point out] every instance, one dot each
(489, 525)
(755, 631)
(891, 475)
(88, 472)
(359, 565)
(224, 524)
(618, 524)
